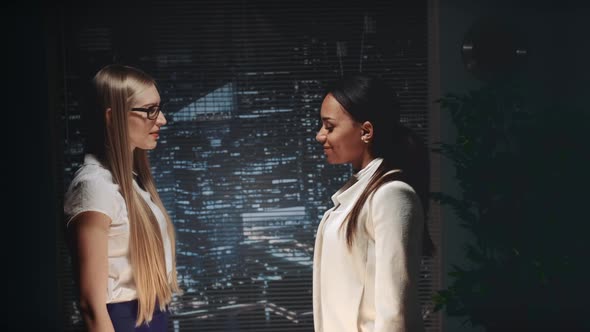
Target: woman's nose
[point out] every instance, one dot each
(161, 120)
(320, 136)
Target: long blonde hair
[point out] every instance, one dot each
(115, 88)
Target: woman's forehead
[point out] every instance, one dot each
(332, 109)
(150, 95)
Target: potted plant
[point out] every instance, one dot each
(522, 177)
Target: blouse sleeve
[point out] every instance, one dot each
(392, 209)
(92, 194)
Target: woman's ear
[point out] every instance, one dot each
(107, 115)
(367, 131)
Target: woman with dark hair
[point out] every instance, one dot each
(370, 244)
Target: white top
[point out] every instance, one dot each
(93, 189)
(371, 287)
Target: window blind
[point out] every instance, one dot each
(237, 165)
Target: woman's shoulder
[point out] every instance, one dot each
(92, 176)
(93, 189)
(393, 190)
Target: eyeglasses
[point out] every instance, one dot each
(152, 111)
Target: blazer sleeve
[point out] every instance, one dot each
(392, 209)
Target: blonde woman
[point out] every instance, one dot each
(369, 245)
(122, 236)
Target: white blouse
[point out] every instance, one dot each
(371, 286)
(93, 189)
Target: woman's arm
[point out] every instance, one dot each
(91, 241)
(392, 208)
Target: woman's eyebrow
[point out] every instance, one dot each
(148, 105)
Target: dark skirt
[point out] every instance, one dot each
(124, 314)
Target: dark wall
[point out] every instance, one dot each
(29, 227)
(456, 17)
(556, 73)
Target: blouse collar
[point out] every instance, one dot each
(349, 192)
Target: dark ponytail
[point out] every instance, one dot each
(368, 98)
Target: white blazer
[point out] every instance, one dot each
(373, 286)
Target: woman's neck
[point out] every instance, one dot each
(362, 162)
